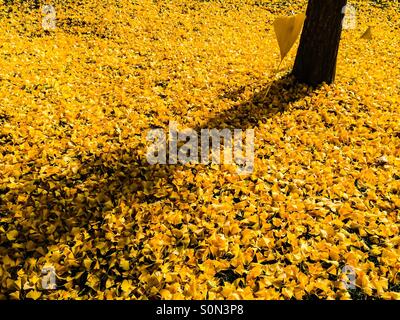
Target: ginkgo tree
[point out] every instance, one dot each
(317, 54)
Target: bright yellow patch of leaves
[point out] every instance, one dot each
(76, 191)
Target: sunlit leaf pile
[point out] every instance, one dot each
(77, 193)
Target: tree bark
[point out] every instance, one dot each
(319, 44)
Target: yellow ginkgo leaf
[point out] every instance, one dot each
(33, 295)
(165, 294)
(367, 35)
(126, 286)
(15, 295)
(87, 263)
(124, 264)
(287, 29)
(12, 235)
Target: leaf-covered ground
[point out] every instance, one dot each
(77, 193)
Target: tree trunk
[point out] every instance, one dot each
(319, 43)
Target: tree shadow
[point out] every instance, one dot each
(102, 186)
(260, 106)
